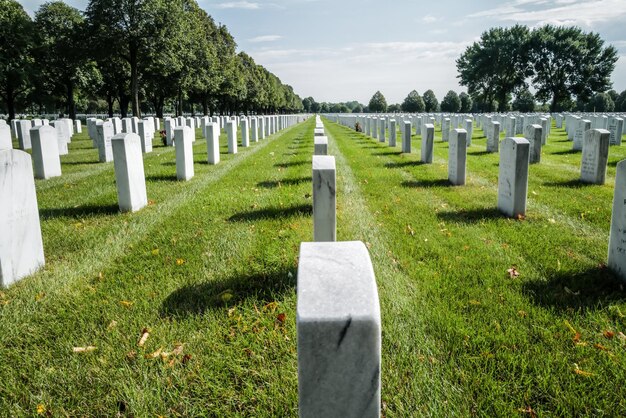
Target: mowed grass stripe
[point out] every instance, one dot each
(503, 340)
(215, 247)
(407, 384)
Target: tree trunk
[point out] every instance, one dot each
(179, 102)
(205, 106)
(555, 102)
(159, 107)
(110, 104)
(71, 107)
(10, 103)
(134, 82)
(124, 105)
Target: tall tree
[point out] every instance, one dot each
(61, 60)
(497, 65)
(568, 61)
(16, 32)
(378, 103)
(413, 102)
(524, 101)
(451, 102)
(133, 30)
(466, 102)
(620, 103)
(431, 103)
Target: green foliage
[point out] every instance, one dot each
(524, 101)
(378, 103)
(497, 65)
(451, 102)
(601, 102)
(16, 43)
(430, 101)
(620, 103)
(569, 62)
(466, 102)
(413, 103)
(394, 108)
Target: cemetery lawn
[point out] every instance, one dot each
(482, 315)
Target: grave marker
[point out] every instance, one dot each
(457, 157)
(617, 240)
(184, 153)
(595, 156)
(324, 198)
(129, 174)
(513, 177)
(46, 160)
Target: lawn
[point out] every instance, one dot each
(207, 274)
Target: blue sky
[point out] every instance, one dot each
(338, 50)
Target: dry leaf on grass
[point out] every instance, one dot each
(281, 318)
(513, 273)
(145, 333)
(86, 349)
(581, 372)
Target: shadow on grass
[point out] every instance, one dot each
(373, 146)
(591, 289)
(480, 153)
(80, 162)
(573, 184)
(284, 182)
(272, 213)
(614, 163)
(402, 164)
(566, 152)
(162, 177)
(426, 183)
(292, 164)
(471, 216)
(263, 287)
(387, 153)
(78, 212)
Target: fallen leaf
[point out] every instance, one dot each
(271, 307)
(600, 347)
(608, 334)
(520, 217)
(186, 358)
(576, 337)
(112, 325)
(126, 303)
(581, 372)
(87, 349)
(522, 314)
(155, 251)
(41, 409)
(155, 354)
(281, 318)
(178, 349)
(567, 290)
(145, 333)
(528, 410)
(180, 261)
(513, 272)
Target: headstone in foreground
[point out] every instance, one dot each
(129, 174)
(457, 157)
(324, 198)
(513, 176)
(427, 144)
(406, 138)
(46, 160)
(184, 153)
(617, 240)
(534, 135)
(339, 332)
(595, 156)
(21, 246)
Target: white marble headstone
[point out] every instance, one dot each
(129, 174)
(21, 246)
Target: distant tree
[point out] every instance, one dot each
(431, 103)
(16, 42)
(394, 108)
(568, 61)
(497, 65)
(620, 103)
(524, 101)
(358, 108)
(614, 95)
(466, 102)
(601, 102)
(378, 103)
(324, 108)
(451, 103)
(307, 103)
(413, 103)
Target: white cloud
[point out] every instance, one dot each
(558, 12)
(238, 5)
(265, 38)
(429, 19)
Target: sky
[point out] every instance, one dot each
(343, 50)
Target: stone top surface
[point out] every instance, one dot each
(125, 136)
(320, 140)
(323, 162)
(336, 280)
(517, 140)
(460, 131)
(603, 131)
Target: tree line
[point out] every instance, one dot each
(567, 67)
(129, 56)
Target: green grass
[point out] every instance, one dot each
(211, 264)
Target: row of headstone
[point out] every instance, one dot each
(339, 336)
